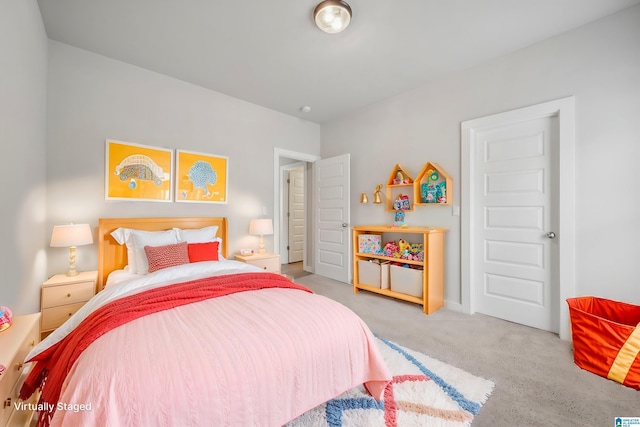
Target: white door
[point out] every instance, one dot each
(514, 212)
(331, 194)
(295, 215)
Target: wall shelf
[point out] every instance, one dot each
(433, 186)
(399, 183)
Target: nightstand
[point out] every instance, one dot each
(63, 295)
(266, 261)
(15, 343)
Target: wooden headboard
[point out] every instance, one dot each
(112, 256)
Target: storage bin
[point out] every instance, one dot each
(406, 280)
(373, 274)
(606, 338)
(370, 243)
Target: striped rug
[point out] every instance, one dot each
(424, 392)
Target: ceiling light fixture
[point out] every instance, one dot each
(332, 16)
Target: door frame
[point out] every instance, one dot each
(280, 153)
(564, 110)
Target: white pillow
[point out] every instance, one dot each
(200, 235)
(123, 237)
(150, 238)
(197, 235)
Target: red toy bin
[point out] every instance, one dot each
(606, 338)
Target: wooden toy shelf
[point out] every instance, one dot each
(433, 265)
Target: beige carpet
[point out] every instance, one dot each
(536, 381)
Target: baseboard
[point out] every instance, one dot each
(453, 306)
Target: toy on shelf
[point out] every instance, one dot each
(404, 250)
(402, 203)
(391, 250)
(434, 193)
(401, 179)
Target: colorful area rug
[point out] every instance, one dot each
(424, 392)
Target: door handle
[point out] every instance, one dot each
(344, 225)
(551, 235)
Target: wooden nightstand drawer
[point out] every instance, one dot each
(67, 294)
(16, 342)
(56, 316)
(265, 261)
(269, 264)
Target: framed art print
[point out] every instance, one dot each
(201, 178)
(138, 172)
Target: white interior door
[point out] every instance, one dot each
(556, 178)
(515, 274)
(332, 195)
(296, 214)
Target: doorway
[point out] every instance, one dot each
(517, 229)
(282, 159)
(293, 212)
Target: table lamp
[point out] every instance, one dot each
(71, 235)
(261, 227)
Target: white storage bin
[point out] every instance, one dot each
(373, 274)
(406, 280)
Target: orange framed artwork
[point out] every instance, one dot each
(138, 172)
(201, 178)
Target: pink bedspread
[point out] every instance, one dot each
(257, 358)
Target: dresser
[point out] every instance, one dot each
(62, 296)
(266, 261)
(15, 343)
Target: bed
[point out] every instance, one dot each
(212, 342)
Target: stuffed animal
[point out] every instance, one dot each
(404, 248)
(391, 250)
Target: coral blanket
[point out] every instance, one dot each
(53, 364)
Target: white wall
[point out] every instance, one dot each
(23, 80)
(92, 98)
(599, 64)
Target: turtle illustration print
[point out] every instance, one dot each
(139, 167)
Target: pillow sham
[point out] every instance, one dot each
(203, 251)
(123, 237)
(200, 235)
(159, 257)
(149, 238)
(197, 235)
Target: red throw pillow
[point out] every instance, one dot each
(203, 251)
(160, 257)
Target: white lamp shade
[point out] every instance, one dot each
(71, 235)
(261, 227)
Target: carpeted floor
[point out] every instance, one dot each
(424, 391)
(536, 381)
